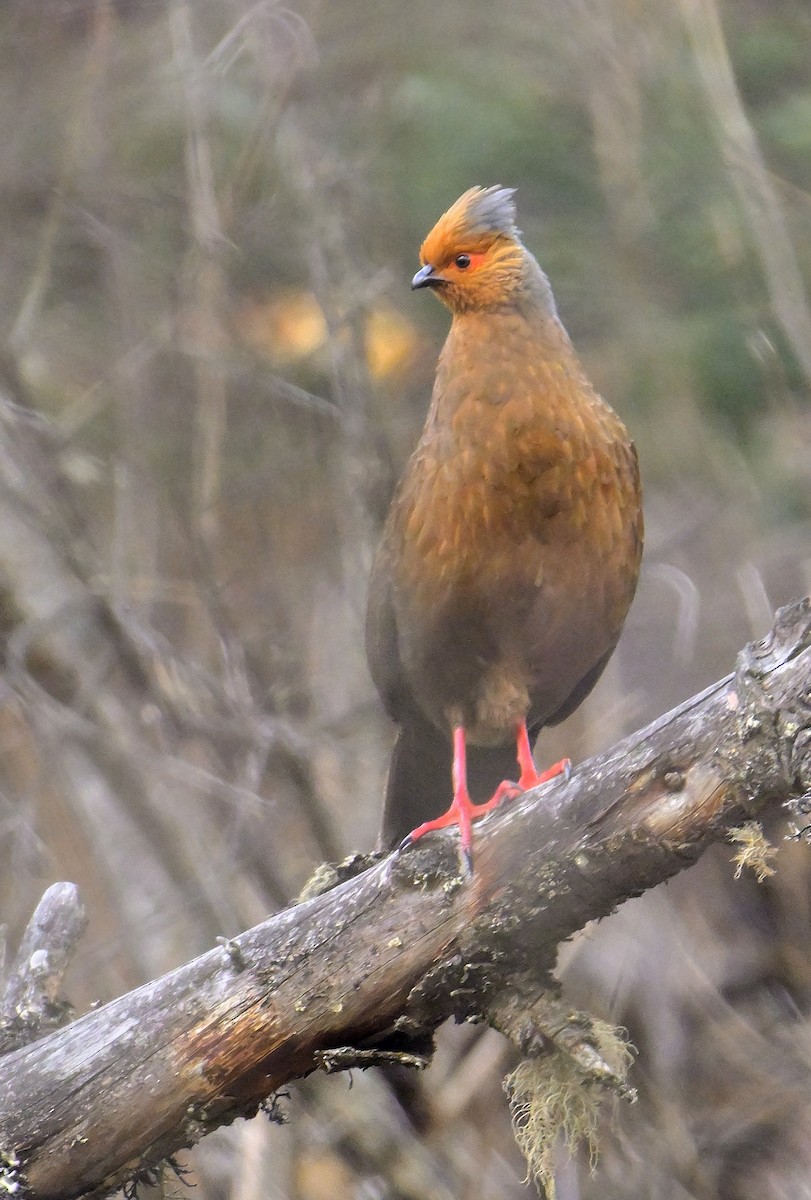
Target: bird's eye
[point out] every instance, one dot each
(462, 261)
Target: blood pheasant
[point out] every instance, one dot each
(511, 551)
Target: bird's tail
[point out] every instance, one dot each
(419, 785)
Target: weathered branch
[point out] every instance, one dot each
(393, 952)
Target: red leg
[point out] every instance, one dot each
(530, 777)
(463, 811)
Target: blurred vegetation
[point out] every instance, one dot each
(209, 216)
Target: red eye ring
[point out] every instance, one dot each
(469, 262)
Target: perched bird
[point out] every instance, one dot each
(511, 551)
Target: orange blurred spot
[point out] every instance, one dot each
(288, 327)
(390, 342)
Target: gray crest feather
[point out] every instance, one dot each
(491, 210)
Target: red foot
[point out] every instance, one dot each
(530, 777)
(463, 811)
(508, 790)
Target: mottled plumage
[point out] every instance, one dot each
(512, 547)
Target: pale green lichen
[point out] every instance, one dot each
(551, 1097)
(754, 850)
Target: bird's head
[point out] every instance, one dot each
(473, 258)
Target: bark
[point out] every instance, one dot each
(383, 958)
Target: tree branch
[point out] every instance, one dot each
(31, 1006)
(390, 954)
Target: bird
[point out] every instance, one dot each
(512, 546)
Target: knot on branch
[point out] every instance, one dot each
(774, 715)
(544, 1026)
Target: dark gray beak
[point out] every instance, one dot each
(423, 278)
